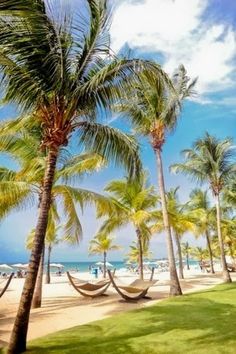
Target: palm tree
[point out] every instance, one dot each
(62, 72)
(186, 251)
(201, 254)
(133, 204)
(199, 205)
(134, 252)
(102, 244)
(154, 111)
(210, 161)
(19, 188)
(180, 223)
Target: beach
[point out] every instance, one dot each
(62, 307)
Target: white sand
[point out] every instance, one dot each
(63, 307)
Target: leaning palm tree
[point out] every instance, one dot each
(211, 160)
(134, 202)
(154, 110)
(102, 244)
(61, 70)
(200, 208)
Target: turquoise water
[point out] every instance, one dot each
(84, 266)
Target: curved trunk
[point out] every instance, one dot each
(48, 278)
(210, 251)
(104, 264)
(37, 298)
(226, 275)
(19, 333)
(181, 271)
(175, 288)
(140, 258)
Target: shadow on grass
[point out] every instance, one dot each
(199, 323)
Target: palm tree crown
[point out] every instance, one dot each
(210, 160)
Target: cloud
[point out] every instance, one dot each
(178, 30)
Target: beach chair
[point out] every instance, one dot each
(89, 289)
(2, 291)
(134, 291)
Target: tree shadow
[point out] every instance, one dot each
(169, 327)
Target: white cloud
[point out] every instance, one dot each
(176, 29)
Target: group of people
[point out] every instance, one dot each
(18, 274)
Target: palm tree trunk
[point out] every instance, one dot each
(48, 278)
(181, 271)
(226, 275)
(19, 333)
(175, 288)
(187, 260)
(140, 246)
(104, 264)
(37, 298)
(210, 251)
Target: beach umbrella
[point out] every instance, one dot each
(57, 265)
(5, 266)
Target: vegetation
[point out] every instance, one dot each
(211, 160)
(162, 328)
(180, 222)
(22, 187)
(102, 244)
(204, 215)
(133, 204)
(63, 73)
(154, 110)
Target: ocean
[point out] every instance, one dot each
(85, 266)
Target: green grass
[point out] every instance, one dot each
(198, 323)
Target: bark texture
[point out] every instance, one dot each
(19, 333)
(175, 288)
(140, 258)
(226, 275)
(37, 298)
(104, 264)
(181, 268)
(48, 277)
(210, 252)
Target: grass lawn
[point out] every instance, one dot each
(198, 323)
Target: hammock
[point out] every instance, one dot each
(134, 291)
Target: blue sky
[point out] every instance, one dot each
(201, 34)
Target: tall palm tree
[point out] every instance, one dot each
(102, 244)
(186, 252)
(211, 160)
(133, 204)
(62, 70)
(199, 205)
(180, 222)
(154, 110)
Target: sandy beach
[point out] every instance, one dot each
(63, 307)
